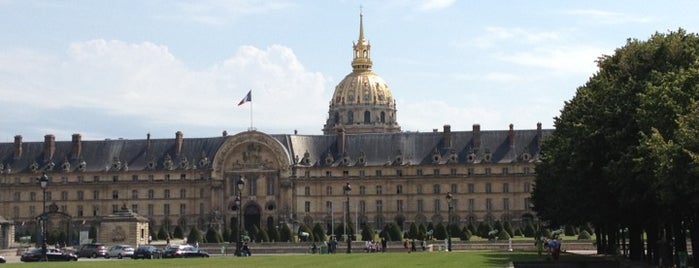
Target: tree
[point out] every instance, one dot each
(178, 233)
(212, 236)
(318, 232)
(194, 236)
(618, 158)
(163, 234)
(227, 236)
(440, 231)
(273, 233)
(368, 233)
(285, 233)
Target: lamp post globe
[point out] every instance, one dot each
(43, 183)
(240, 184)
(347, 189)
(451, 208)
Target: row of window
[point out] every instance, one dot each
(420, 172)
(80, 210)
(436, 189)
(419, 205)
(80, 195)
(97, 178)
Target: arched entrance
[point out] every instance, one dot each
(252, 216)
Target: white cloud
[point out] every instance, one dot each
(146, 82)
(219, 11)
(607, 17)
(578, 60)
(497, 35)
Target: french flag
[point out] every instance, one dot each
(247, 98)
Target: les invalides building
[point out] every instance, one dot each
(395, 177)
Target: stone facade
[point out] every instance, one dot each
(123, 227)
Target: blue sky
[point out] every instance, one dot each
(122, 69)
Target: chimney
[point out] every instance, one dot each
(538, 134)
(447, 136)
(77, 146)
(476, 136)
(49, 146)
(178, 142)
(18, 146)
(511, 135)
(340, 141)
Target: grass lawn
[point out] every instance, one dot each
(357, 260)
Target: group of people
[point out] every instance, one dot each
(553, 246)
(373, 246)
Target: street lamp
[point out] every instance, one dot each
(238, 203)
(451, 208)
(347, 190)
(43, 182)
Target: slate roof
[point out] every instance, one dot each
(404, 148)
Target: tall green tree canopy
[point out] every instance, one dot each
(621, 154)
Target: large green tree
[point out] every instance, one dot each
(617, 158)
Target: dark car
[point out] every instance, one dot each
(92, 250)
(183, 251)
(34, 254)
(147, 252)
(2, 259)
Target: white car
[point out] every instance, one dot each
(120, 251)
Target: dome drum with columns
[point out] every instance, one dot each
(362, 101)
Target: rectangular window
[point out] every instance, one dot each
(48, 196)
(379, 206)
(471, 205)
(505, 187)
(399, 205)
(166, 194)
(378, 173)
(64, 195)
(95, 195)
(471, 188)
(328, 174)
(15, 212)
(183, 177)
(420, 206)
(361, 173)
(488, 188)
(379, 190)
(81, 179)
(151, 178)
(362, 190)
(488, 204)
(80, 211)
(525, 170)
(167, 177)
(418, 188)
(32, 196)
(96, 178)
(115, 178)
(32, 211)
(115, 194)
(81, 195)
(506, 204)
(328, 190)
(95, 211)
(345, 173)
(270, 186)
(307, 173)
(183, 209)
(134, 208)
(151, 194)
(362, 206)
(183, 194)
(454, 189)
(399, 172)
(437, 205)
(307, 206)
(17, 196)
(436, 172)
(505, 171)
(115, 208)
(134, 177)
(150, 210)
(487, 171)
(399, 189)
(435, 189)
(527, 187)
(307, 191)
(328, 206)
(470, 171)
(452, 171)
(419, 172)
(166, 209)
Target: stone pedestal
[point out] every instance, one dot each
(123, 227)
(7, 233)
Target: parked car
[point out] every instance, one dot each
(183, 251)
(2, 259)
(147, 252)
(120, 251)
(92, 250)
(52, 254)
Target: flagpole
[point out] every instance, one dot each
(251, 126)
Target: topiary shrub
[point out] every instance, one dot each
(584, 235)
(504, 235)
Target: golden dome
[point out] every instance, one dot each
(362, 101)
